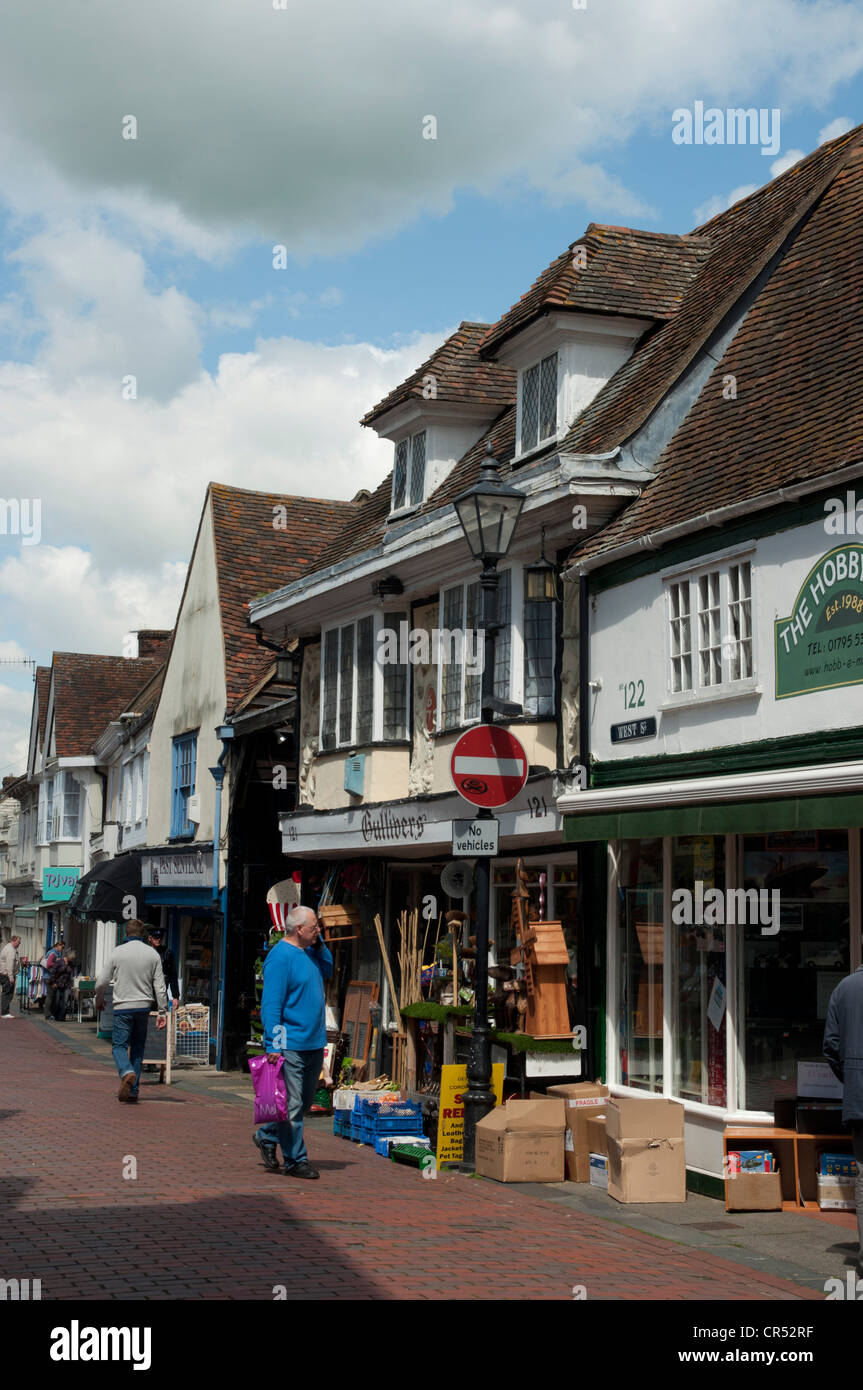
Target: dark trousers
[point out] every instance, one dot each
(857, 1132)
(7, 993)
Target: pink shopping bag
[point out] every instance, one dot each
(271, 1098)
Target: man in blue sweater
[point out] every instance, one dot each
(293, 1014)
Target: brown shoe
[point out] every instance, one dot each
(126, 1085)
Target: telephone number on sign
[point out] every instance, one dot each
(836, 644)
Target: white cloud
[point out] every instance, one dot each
(785, 161)
(840, 125)
(305, 125)
(14, 729)
(720, 202)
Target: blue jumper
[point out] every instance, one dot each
(293, 996)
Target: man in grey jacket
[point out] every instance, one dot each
(9, 962)
(135, 972)
(843, 1048)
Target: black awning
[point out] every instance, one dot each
(104, 892)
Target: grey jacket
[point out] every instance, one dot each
(135, 971)
(9, 960)
(843, 1042)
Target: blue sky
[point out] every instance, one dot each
(303, 127)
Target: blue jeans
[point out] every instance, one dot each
(128, 1041)
(301, 1071)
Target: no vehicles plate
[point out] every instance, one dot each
(474, 838)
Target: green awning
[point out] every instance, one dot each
(734, 818)
(29, 911)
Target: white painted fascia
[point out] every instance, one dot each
(409, 416)
(552, 329)
(543, 487)
(88, 761)
(827, 779)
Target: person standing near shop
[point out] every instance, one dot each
(9, 962)
(156, 938)
(843, 1048)
(134, 971)
(61, 978)
(293, 1014)
(50, 962)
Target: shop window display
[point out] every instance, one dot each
(641, 963)
(699, 990)
(786, 979)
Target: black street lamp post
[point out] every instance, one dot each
(489, 513)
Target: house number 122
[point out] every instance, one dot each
(633, 694)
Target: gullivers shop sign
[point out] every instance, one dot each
(820, 646)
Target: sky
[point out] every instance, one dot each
(229, 227)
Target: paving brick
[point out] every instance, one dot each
(221, 1227)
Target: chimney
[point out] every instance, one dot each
(153, 641)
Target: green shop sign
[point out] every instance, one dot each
(57, 884)
(820, 646)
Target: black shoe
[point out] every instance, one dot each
(268, 1152)
(302, 1170)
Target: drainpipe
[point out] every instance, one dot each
(585, 944)
(225, 732)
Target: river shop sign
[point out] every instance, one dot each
(820, 645)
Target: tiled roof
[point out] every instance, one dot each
(90, 691)
(460, 374)
(369, 527)
(797, 358)
(743, 239)
(254, 557)
(43, 689)
(626, 271)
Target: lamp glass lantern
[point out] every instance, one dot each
(489, 513)
(540, 578)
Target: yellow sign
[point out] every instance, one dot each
(450, 1125)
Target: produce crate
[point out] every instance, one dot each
(342, 1123)
(379, 1120)
(384, 1143)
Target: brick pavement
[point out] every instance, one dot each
(205, 1220)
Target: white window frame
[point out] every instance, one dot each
(540, 441)
(379, 622)
(409, 503)
(516, 652)
(726, 688)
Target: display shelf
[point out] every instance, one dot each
(797, 1154)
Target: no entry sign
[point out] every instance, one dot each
(488, 766)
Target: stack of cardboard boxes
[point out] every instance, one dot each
(634, 1146)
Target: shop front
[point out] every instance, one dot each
(178, 895)
(724, 947)
(395, 860)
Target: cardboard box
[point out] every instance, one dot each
(522, 1142)
(596, 1140)
(599, 1171)
(646, 1152)
(583, 1100)
(837, 1194)
(754, 1191)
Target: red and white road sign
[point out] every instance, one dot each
(488, 766)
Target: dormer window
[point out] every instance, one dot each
(539, 402)
(409, 473)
